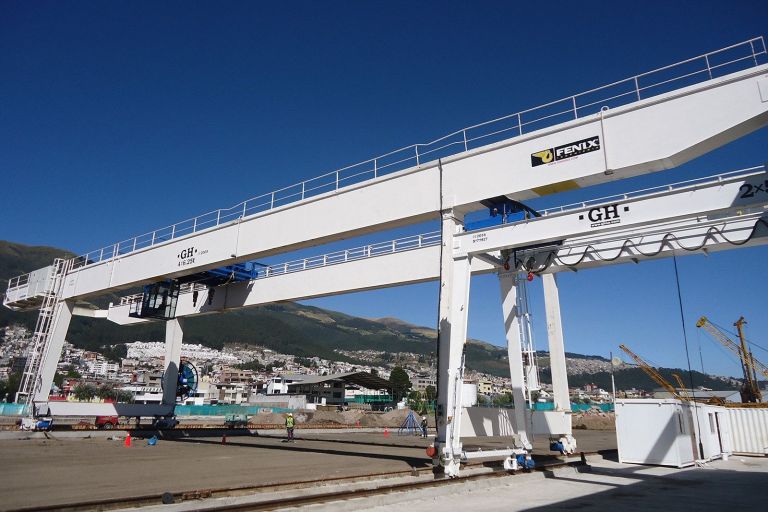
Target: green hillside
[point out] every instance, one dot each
(636, 378)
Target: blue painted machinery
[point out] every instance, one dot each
(525, 462)
(159, 299)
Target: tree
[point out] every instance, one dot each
(251, 365)
(9, 388)
(400, 383)
(106, 392)
(123, 396)
(431, 393)
(85, 392)
(503, 400)
(72, 373)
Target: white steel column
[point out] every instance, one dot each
(452, 334)
(54, 346)
(508, 282)
(174, 334)
(556, 346)
(557, 364)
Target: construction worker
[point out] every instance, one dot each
(289, 423)
(423, 426)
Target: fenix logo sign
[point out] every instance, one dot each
(565, 151)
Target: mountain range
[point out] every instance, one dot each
(293, 328)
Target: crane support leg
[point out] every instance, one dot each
(508, 282)
(452, 334)
(52, 354)
(557, 360)
(174, 334)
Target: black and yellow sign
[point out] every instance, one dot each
(565, 151)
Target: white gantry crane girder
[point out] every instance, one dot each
(560, 146)
(709, 214)
(728, 209)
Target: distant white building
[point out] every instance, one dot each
(103, 368)
(279, 384)
(145, 394)
(233, 393)
(421, 382)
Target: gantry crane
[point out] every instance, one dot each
(655, 375)
(750, 391)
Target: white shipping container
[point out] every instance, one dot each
(749, 430)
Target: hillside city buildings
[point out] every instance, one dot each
(241, 374)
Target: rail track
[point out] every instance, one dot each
(289, 495)
(194, 426)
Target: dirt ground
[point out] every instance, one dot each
(58, 470)
(589, 420)
(594, 421)
(391, 419)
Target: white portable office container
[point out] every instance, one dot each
(670, 432)
(655, 432)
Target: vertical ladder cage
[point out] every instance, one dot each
(525, 326)
(46, 320)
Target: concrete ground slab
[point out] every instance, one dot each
(59, 470)
(738, 483)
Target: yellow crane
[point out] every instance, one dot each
(681, 392)
(750, 391)
(681, 387)
(655, 375)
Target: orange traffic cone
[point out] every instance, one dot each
(386, 433)
(128, 440)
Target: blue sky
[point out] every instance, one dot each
(121, 117)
